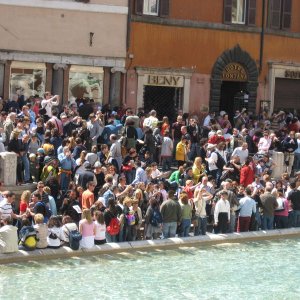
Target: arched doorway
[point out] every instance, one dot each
(234, 82)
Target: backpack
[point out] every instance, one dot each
(281, 206)
(158, 140)
(74, 238)
(130, 219)
(220, 161)
(114, 226)
(28, 238)
(156, 218)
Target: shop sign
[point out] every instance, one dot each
(292, 74)
(164, 80)
(234, 72)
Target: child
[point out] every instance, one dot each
(100, 228)
(41, 231)
(87, 229)
(55, 233)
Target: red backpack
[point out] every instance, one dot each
(114, 226)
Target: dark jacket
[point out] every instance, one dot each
(171, 211)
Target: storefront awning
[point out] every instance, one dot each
(86, 69)
(28, 65)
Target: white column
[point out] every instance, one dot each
(186, 94)
(140, 92)
(8, 168)
(272, 88)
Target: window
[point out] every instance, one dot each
(240, 12)
(280, 13)
(158, 8)
(27, 78)
(150, 7)
(86, 82)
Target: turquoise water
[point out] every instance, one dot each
(254, 270)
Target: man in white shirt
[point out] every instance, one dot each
(151, 121)
(206, 122)
(242, 152)
(8, 237)
(222, 213)
(6, 210)
(247, 207)
(48, 102)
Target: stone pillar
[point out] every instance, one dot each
(58, 79)
(278, 158)
(48, 86)
(186, 94)
(114, 91)
(8, 168)
(6, 80)
(8, 176)
(140, 91)
(2, 76)
(65, 99)
(106, 83)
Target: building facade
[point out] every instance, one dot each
(201, 55)
(73, 48)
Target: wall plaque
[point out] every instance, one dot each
(234, 72)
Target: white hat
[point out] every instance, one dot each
(210, 146)
(222, 113)
(97, 164)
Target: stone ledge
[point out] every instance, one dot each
(209, 239)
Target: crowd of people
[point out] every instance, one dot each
(113, 175)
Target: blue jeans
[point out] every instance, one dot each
(110, 238)
(267, 222)
(216, 174)
(194, 151)
(297, 162)
(64, 181)
(296, 218)
(202, 226)
(26, 167)
(169, 229)
(166, 162)
(185, 227)
(281, 222)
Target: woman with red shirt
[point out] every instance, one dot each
(24, 202)
(247, 173)
(165, 126)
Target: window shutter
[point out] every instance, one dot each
(252, 12)
(139, 6)
(275, 9)
(164, 8)
(227, 11)
(286, 14)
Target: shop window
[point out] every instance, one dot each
(152, 7)
(240, 12)
(27, 79)
(86, 82)
(280, 13)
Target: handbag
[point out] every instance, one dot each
(224, 175)
(42, 111)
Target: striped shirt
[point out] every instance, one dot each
(5, 209)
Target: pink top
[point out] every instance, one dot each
(285, 212)
(86, 228)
